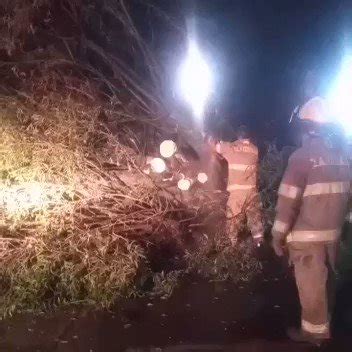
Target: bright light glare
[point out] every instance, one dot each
(340, 96)
(202, 177)
(158, 165)
(168, 148)
(23, 198)
(195, 80)
(184, 184)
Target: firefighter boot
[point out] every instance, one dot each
(299, 335)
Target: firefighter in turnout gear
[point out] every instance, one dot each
(244, 200)
(311, 210)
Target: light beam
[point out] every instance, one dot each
(340, 96)
(195, 79)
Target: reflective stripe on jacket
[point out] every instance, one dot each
(313, 194)
(242, 158)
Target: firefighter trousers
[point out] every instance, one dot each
(244, 207)
(314, 265)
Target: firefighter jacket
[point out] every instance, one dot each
(313, 194)
(244, 200)
(242, 158)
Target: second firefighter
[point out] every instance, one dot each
(244, 201)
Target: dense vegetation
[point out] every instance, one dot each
(82, 104)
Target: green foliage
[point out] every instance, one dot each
(216, 259)
(165, 283)
(73, 136)
(91, 243)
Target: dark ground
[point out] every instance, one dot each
(200, 316)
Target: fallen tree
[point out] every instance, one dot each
(80, 219)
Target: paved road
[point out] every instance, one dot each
(200, 316)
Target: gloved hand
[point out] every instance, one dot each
(278, 245)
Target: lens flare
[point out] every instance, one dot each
(202, 177)
(195, 80)
(340, 96)
(158, 165)
(184, 184)
(168, 148)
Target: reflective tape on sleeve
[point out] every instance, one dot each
(289, 191)
(280, 226)
(327, 188)
(240, 187)
(241, 167)
(246, 149)
(314, 236)
(315, 328)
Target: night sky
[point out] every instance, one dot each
(270, 55)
